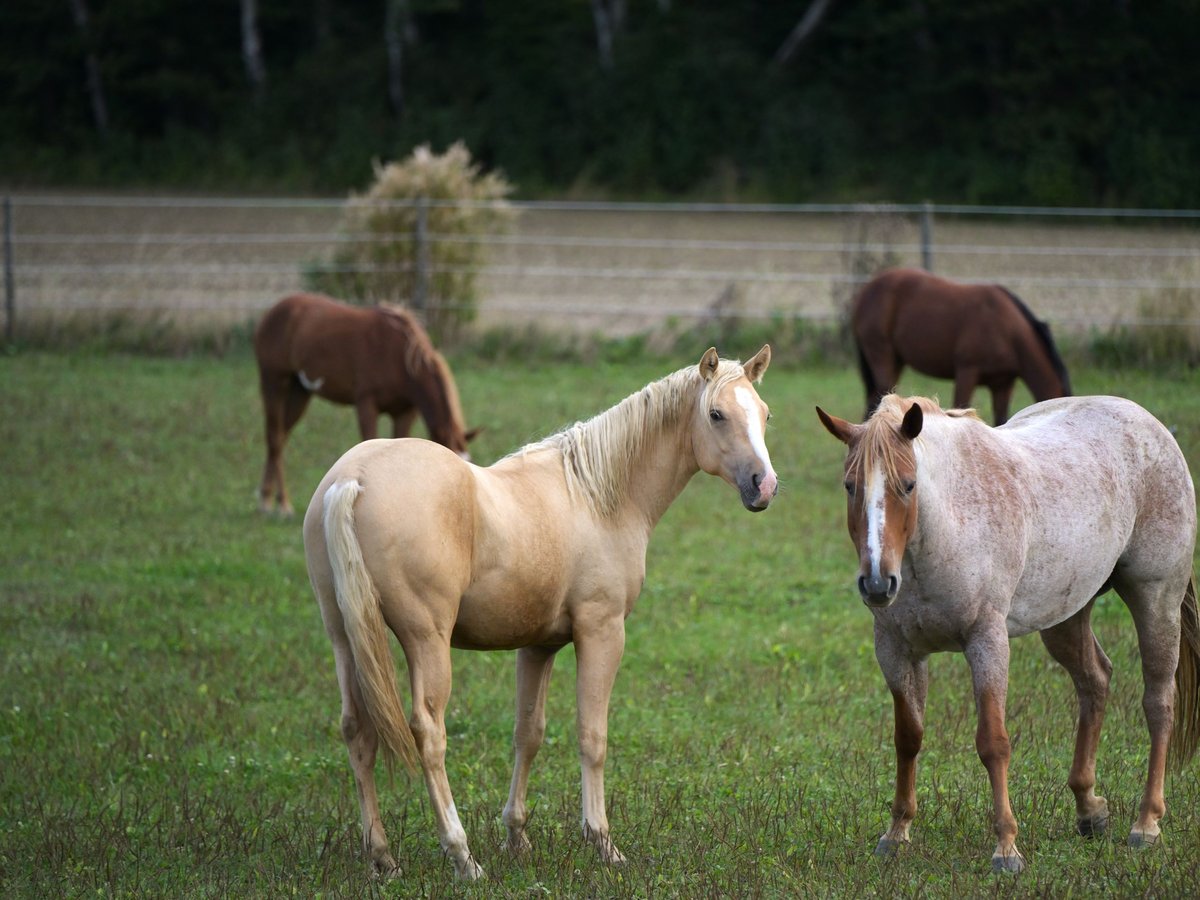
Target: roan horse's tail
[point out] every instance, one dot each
(1185, 737)
(359, 603)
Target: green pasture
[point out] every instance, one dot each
(169, 711)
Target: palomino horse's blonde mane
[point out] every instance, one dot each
(420, 357)
(598, 453)
(879, 443)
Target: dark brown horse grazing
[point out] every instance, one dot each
(973, 333)
(379, 359)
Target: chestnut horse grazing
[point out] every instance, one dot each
(976, 334)
(379, 359)
(968, 536)
(543, 548)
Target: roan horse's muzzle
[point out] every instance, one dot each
(878, 591)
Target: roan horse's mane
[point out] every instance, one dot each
(421, 358)
(598, 453)
(879, 442)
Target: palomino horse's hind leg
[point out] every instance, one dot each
(987, 654)
(1155, 610)
(1075, 648)
(598, 650)
(534, 665)
(908, 680)
(429, 674)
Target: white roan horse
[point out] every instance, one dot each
(968, 536)
(544, 548)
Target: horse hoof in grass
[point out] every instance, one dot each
(1012, 863)
(888, 847)
(1142, 840)
(1092, 827)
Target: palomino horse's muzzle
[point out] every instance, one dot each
(878, 591)
(758, 490)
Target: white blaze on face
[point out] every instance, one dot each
(876, 501)
(756, 433)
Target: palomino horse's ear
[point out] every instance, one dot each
(841, 429)
(913, 420)
(473, 433)
(708, 363)
(755, 368)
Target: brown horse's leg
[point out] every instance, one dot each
(368, 417)
(533, 676)
(274, 390)
(908, 680)
(1076, 649)
(598, 649)
(362, 742)
(987, 654)
(402, 422)
(1001, 398)
(965, 380)
(429, 673)
(1155, 609)
(295, 403)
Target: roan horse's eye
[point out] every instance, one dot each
(909, 487)
(715, 415)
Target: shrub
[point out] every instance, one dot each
(447, 200)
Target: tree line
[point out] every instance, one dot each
(989, 101)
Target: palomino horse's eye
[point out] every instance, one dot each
(715, 415)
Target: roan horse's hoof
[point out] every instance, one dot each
(1012, 863)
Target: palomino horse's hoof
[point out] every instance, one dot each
(1141, 840)
(385, 868)
(888, 847)
(1093, 826)
(1012, 863)
(469, 871)
(517, 845)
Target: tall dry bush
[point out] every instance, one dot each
(415, 237)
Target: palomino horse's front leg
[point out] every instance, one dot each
(1075, 648)
(598, 650)
(534, 665)
(987, 654)
(429, 673)
(908, 680)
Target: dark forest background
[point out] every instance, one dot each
(1006, 101)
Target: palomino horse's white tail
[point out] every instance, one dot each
(358, 601)
(1185, 737)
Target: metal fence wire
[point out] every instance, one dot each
(610, 267)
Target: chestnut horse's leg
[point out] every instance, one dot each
(908, 680)
(368, 417)
(284, 402)
(987, 654)
(1076, 649)
(534, 665)
(598, 649)
(965, 380)
(1155, 609)
(1001, 398)
(428, 653)
(402, 422)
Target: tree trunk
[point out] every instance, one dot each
(803, 30)
(95, 87)
(398, 30)
(256, 72)
(609, 16)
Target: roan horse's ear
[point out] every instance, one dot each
(913, 420)
(708, 363)
(755, 368)
(841, 429)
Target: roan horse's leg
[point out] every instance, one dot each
(908, 680)
(1076, 649)
(987, 654)
(1156, 616)
(429, 673)
(534, 665)
(598, 650)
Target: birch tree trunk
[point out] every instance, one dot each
(92, 81)
(256, 72)
(803, 30)
(609, 16)
(398, 30)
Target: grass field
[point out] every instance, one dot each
(169, 712)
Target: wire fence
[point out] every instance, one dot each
(610, 267)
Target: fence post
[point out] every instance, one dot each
(10, 290)
(421, 261)
(927, 236)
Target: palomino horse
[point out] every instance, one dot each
(379, 359)
(545, 547)
(968, 536)
(973, 333)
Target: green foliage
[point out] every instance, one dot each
(413, 237)
(1165, 336)
(169, 711)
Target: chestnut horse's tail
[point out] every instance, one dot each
(362, 618)
(1042, 330)
(1185, 737)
